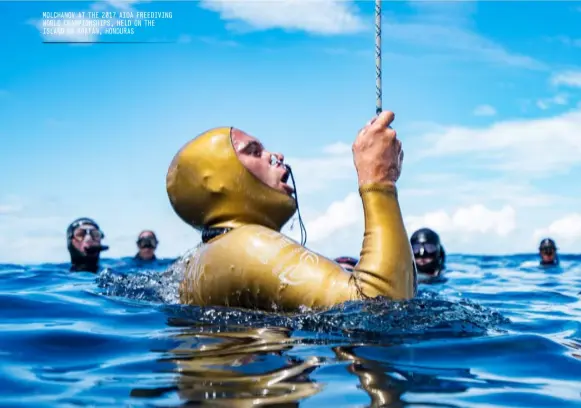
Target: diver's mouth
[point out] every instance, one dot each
(283, 180)
(424, 260)
(285, 177)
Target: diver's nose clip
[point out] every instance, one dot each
(274, 160)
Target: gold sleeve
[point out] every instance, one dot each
(386, 266)
(253, 266)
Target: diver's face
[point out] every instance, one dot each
(86, 236)
(547, 254)
(146, 243)
(425, 253)
(266, 166)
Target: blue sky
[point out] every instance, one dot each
(487, 104)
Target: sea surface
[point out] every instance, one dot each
(498, 332)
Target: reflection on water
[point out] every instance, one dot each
(252, 367)
(239, 368)
(499, 332)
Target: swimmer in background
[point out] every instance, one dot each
(227, 185)
(548, 252)
(146, 245)
(346, 262)
(84, 245)
(429, 254)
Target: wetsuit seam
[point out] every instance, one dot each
(379, 188)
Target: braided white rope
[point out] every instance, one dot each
(378, 93)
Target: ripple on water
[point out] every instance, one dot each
(499, 331)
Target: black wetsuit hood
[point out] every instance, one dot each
(81, 262)
(427, 236)
(548, 243)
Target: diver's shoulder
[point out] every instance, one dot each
(252, 233)
(255, 228)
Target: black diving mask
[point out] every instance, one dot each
(547, 250)
(80, 233)
(147, 242)
(425, 249)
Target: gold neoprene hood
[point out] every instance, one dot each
(208, 186)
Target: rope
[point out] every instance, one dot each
(378, 107)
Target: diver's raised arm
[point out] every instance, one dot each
(386, 266)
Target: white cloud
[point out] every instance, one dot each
(10, 209)
(484, 110)
(560, 99)
(443, 28)
(473, 219)
(464, 190)
(447, 28)
(566, 229)
(459, 40)
(567, 78)
(533, 146)
(574, 42)
(339, 229)
(319, 17)
(341, 214)
(338, 148)
(10, 205)
(313, 174)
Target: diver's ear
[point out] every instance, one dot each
(212, 184)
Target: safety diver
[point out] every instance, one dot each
(227, 185)
(84, 245)
(429, 254)
(146, 245)
(548, 252)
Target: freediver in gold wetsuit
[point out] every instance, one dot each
(224, 180)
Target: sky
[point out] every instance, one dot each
(487, 98)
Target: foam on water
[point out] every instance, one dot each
(498, 331)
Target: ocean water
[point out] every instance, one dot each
(498, 332)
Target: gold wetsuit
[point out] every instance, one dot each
(254, 265)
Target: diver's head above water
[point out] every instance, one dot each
(84, 244)
(146, 246)
(548, 252)
(226, 178)
(428, 252)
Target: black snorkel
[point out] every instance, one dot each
(296, 197)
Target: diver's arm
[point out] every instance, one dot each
(254, 266)
(386, 266)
